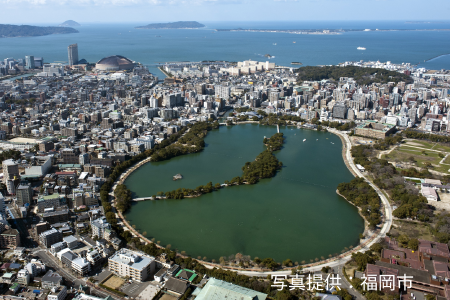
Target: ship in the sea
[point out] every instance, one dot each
(361, 48)
(296, 63)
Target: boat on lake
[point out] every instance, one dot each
(304, 139)
(361, 48)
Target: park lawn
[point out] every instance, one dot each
(427, 145)
(447, 160)
(442, 148)
(442, 169)
(402, 154)
(412, 150)
(412, 230)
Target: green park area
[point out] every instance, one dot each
(421, 154)
(412, 229)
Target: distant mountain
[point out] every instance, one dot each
(173, 25)
(70, 23)
(27, 30)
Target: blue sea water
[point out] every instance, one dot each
(96, 41)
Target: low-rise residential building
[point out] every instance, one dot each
(55, 248)
(50, 237)
(93, 256)
(9, 238)
(57, 293)
(71, 241)
(49, 201)
(55, 216)
(429, 193)
(99, 227)
(176, 286)
(136, 265)
(51, 279)
(81, 266)
(23, 277)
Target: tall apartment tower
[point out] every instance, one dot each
(73, 54)
(29, 62)
(10, 170)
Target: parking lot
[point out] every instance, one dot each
(134, 289)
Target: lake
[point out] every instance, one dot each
(297, 214)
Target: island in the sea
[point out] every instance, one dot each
(27, 30)
(173, 25)
(70, 23)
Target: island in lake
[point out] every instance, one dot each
(173, 25)
(70, 23)
(27, 30)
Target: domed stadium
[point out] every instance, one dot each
(114, 63)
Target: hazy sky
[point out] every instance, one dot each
(147, 11)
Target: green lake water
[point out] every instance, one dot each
(297, 214)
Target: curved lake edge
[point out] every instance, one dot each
(347, 253)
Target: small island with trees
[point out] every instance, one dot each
(265, 165)
(70, 23)
(27, 30)
(173, 25)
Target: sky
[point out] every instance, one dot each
(150, 11)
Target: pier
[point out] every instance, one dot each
(143, 199)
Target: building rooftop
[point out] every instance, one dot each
(373, 125)
(49, 197)
(134, 259)
(70, 239)
(433, 248)
(49, 232)
(55, 213)
(52, 277)
(218, 289)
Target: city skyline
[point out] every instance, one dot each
(148, 11)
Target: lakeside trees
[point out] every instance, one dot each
(191, 142)
(410, 203)
(360, 193)
(264, 166)
(123, 197)
(411, 134)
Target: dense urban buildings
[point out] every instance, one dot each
(68, 130)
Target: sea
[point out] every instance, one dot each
(405, 42)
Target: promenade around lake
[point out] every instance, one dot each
(343, 257)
